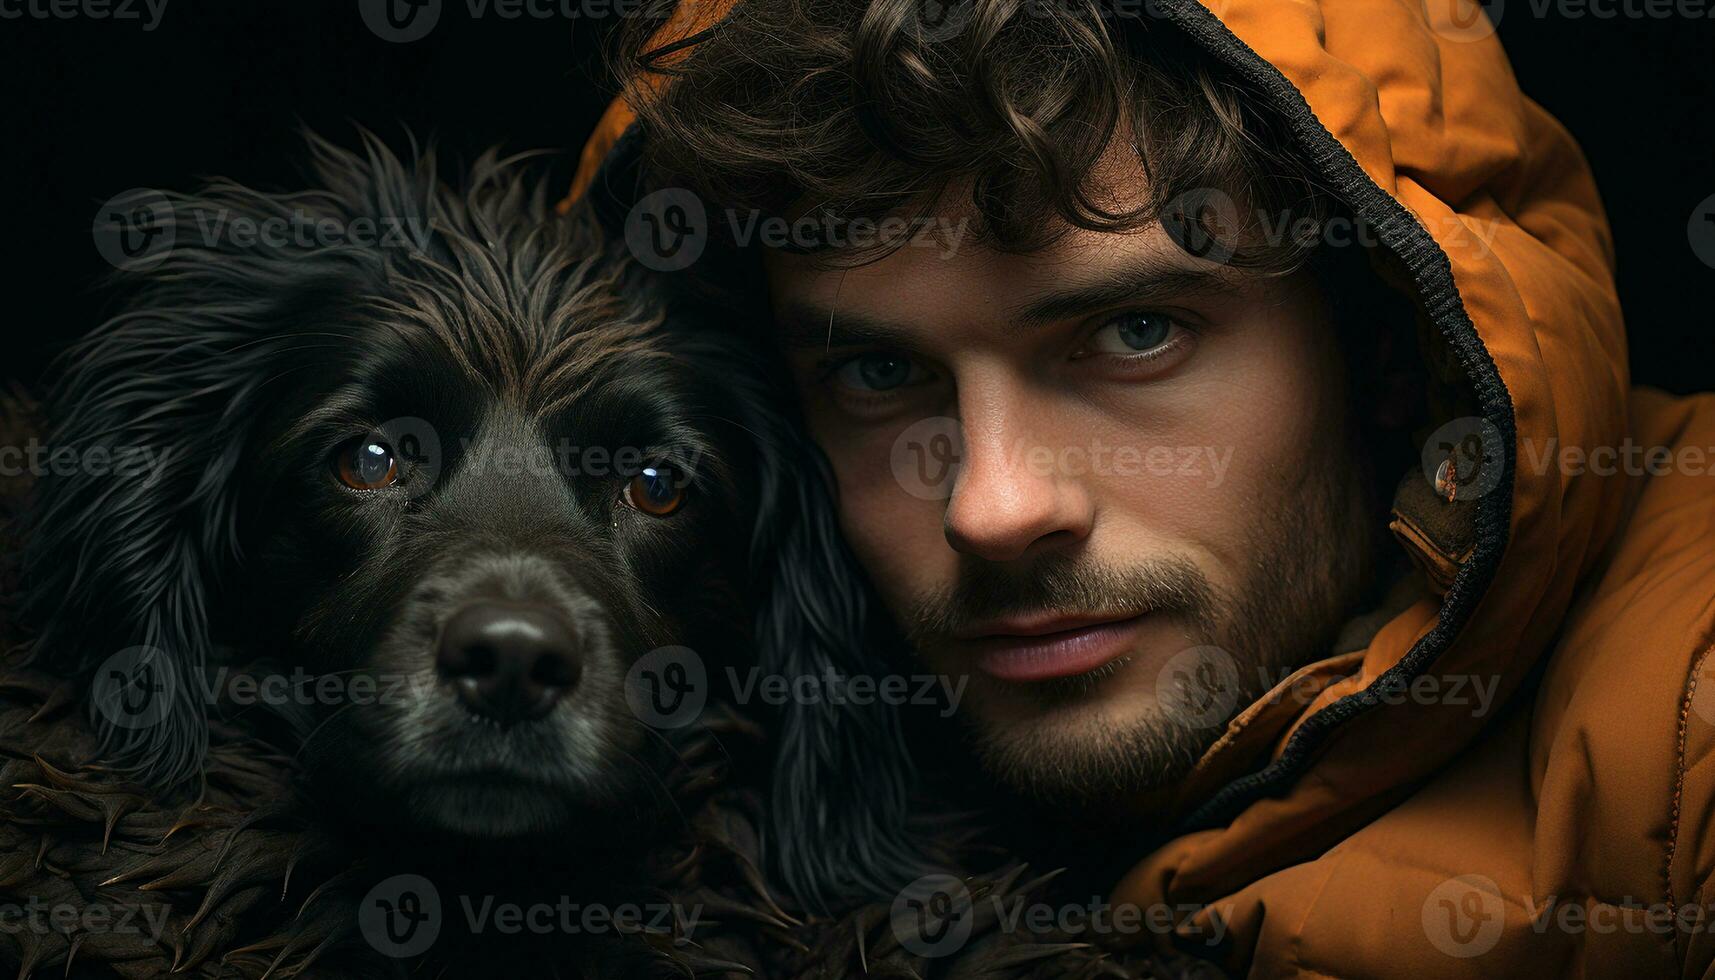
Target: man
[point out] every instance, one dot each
(1238, 397)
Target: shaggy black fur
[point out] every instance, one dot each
(248, 366)
(473, 333)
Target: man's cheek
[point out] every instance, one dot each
(897, 539)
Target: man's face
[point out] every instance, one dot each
(1156, 510)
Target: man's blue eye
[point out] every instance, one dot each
(1133, 333)
(877, 372)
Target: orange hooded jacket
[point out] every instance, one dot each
(1363, 832)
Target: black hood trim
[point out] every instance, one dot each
(618, 184)
(1437, 296)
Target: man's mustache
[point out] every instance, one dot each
(985, 591)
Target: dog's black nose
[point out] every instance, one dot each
(509, 662)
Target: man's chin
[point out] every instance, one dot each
(1087, 743)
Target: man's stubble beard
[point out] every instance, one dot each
(1312, 556)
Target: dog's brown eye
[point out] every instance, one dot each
(656, 490)
(366, 464)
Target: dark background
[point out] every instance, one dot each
(91, 108)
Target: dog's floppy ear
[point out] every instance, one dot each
(843, 776)
(133, 520)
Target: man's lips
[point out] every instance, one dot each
(1040, 649)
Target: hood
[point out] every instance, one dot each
(1485, 215)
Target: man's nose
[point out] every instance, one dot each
(1010, 494)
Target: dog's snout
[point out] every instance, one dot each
(509, 662)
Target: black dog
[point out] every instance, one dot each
(440, 454)
(454, 464)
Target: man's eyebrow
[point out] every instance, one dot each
(805, 325)
(1138, 284)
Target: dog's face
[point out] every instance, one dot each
(490, 523)
(444, 450)
(463, 480)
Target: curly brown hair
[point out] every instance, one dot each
(1011, 113)
(870, 109)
